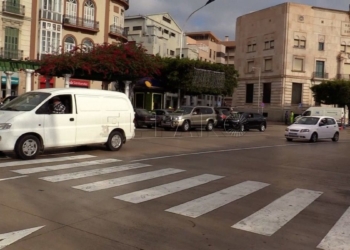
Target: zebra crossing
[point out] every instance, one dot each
(266, 221)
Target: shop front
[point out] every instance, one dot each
(14, 84)
(42, 82)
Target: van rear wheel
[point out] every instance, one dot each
(115, 141)
(27, 147)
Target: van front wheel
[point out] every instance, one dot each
(27, 147)
(115, 141)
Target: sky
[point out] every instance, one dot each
(218, 16)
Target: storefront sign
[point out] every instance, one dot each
(14, 79)
(345, 29)
(79, 83)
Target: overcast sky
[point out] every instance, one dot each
(220, 15)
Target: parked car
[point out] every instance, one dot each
(145, 118)
(313, 128)
(188, 117)
(161, 114)
(7, 100)
(221, 115)
(242, 121)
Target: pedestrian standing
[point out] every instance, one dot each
(286, 116)
(291, 117)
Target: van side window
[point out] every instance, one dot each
(60, 104)
(307, 113)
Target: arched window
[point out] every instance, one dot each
(87, 45)
(89, 13)
(71, 11)
(69, 44)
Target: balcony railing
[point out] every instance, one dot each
(10, 7)
(117, 30)
(320, 75)
(343, 76)
(11, 54)
(81, 23)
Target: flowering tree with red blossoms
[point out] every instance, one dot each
(105, 62)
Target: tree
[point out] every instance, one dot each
(336, 92)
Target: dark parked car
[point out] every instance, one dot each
(221, 115)
(161, 114)
(242, 121)
(145, 118)
(7, 100)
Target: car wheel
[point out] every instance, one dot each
(336, 137)
(27, 147)
(262, 128)
(209, 126)
(289, 139)
(115, 141)
(186, 126)
(314, 137)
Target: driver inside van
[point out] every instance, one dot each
(57, 106)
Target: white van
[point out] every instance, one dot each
(336, 113)
(28, 124)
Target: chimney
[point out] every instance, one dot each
(226, 38)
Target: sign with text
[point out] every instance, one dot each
(79, 83)
(345, 29)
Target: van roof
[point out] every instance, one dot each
(79, 91)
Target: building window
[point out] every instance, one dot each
(87, 45)
(299, 43)
(11, 43)
(71, 11)
(250, 66)
(166, 19)
(210, 53)
(268, 64)
(116, 21)
(51, 10)
(298, 64)
(269, 44)
(321, 46)
(137, 28)
(320, 72)
(249, 93)
(267, 93)
(297, 91)
(69, 44)
(343, 48)
(50, 38)
(252, 47)
(172, 52)
(89, 14)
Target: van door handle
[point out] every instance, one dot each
(71, 119)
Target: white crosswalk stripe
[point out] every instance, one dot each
(166, 189)
(64, 166)
(271, 218)
(206, 204)
(339, 236)
(94, 172)
(46, 160)
(95, 186)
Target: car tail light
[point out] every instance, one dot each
(223, 116)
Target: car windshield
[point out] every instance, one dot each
(143, 112)
(26, 102)
(308, 121)
(184, 110)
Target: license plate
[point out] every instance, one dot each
(292, 135)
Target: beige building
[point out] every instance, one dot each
(284, 50)
(61, 25)
(15, 23)
(230, 50)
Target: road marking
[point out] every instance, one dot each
(271, 218)
(95, 186)
(9, 238)
(64, 166)
(166, 189)
(214, 151)
(28, 162)
(89, 173)
(13, 178)
(208, 203)
(196, 137)
(339, 236)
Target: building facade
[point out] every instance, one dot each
(284, 50)
(230, 51)
(62, 25)
(15, 23)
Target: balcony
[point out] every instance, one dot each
(14, 9)
(124, 2)
(343, 76)
(118, 32)
(320, 75)
(11, 54)
(80, 23)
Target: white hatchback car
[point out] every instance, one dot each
(313, 128)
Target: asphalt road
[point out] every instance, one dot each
(185, 191)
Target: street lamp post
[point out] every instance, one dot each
(257, 68)
(182, 41)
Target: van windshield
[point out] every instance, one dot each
(306, 113)
(26, 102)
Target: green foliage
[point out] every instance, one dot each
(333, 92)
(178, 73)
